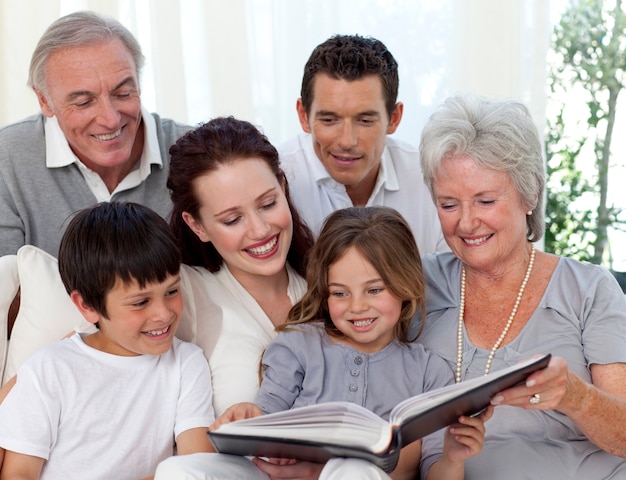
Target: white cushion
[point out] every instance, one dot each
(9, 284)
(46, 312)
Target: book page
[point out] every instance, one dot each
(338, 423)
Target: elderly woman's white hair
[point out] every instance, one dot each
(497, 134)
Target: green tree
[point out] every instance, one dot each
(587, 75)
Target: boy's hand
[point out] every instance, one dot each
(466, 438)
(239, 411)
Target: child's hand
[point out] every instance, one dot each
(238, 411)
(466, 438)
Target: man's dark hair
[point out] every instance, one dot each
(351, 57)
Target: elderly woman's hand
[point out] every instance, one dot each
(545, 389)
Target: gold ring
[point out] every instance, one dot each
(535, 399)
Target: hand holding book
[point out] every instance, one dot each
(239, 411)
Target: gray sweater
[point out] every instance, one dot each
(36, 201)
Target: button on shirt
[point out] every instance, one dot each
(400, 185)
(305, 366)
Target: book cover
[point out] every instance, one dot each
(342, 429)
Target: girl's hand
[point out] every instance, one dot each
(239, 411)
(466, 438)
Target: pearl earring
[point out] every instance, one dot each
(529, 212)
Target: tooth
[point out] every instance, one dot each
(264, 249)
(108, 136)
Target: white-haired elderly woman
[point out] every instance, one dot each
(496, 299)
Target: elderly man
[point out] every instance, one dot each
(91, 142)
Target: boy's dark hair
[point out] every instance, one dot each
(352, 57)
(112, 241)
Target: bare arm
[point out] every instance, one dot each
(598, 409)
(194, 440)
(17, 466)
(408, 463)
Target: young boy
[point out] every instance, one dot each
(115, 403)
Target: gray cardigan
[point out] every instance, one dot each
(36, 201)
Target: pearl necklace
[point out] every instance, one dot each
(492, 353)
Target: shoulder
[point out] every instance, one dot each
(424, 356)
(302, 333)
(295, 144)
(436, 371)
(23, 141)
(55, 357)
(401, 147)
(586, 278)
(441, 274)
(169, 128)
(300, 338)
(296, 153)
(403, 155)
(183, 349)
(202, 283)
(32, 124)
(196, 276)
(440, 265)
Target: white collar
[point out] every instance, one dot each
(386, 178)
(59, 153)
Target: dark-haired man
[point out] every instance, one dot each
(345, 157)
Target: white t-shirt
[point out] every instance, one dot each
(400, 185)
(95, 415)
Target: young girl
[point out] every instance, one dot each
(347, 338)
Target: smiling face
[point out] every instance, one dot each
(93, 91)
(481, 213)
(244, 214)
(360, 304)
(349, 124)
(139, 321)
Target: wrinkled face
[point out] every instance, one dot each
(360, 305)
(141, 321)
(93, 91)
(482, 216)
(244, 214)
(349, 124)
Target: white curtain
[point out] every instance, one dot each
(245, 57)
